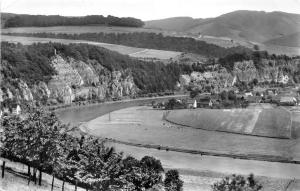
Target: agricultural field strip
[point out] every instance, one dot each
(138, 52)
(257, 122)
(131, 51)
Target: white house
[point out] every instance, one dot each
(248, 94)
(17, 110)
(195, 104)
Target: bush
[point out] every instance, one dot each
(172, 181)
(237, 183)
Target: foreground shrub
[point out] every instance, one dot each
(237, 183)
(172, 181)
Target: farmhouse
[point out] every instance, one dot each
(205, 102)
(17, 110)
(248, 94)
(288, 101)
(283, 79)
(191, 103)
(253, 99)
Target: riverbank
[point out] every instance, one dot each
(75, 115)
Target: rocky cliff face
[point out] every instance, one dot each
(281, 71)
(74, 80)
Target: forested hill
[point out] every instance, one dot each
(148, 40)
(33, 64)
(56, 20)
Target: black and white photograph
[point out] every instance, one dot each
(150, 95)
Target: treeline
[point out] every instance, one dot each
(148, 40)
(56, 20)
(29, 63)
(32, 63)
(257, 56)
(40, 141)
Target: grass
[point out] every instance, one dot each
(14, 181)
(158, 54)
(200, 172)
(78, 29)
(273, 123)
(260, 122)
(153, 130)
(127, 50)
(193, 180)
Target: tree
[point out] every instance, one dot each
(33, 140)
(237, 183)
(224, 95)
(38, 140)
(143, 174)
(256, 47)
(231, 95)
(255, 81)
(171, 103)
(172, 181)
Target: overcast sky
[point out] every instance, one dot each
(146, 9)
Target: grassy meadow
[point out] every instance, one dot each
(260, 122)
(144, 125)
(127, 50)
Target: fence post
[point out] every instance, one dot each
(34, 175)
(3, 168)
(29, 174)
(63, 185)
(52, 184)
(76, 185)
(40, 177)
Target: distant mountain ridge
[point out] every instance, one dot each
(254, 26)
(175, 23)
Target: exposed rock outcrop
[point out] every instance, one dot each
(282, 71)
(41, 90)
(86, 72)
(74, 79)
(66, 74)
(25, 92)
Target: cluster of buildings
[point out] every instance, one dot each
(14, 110)
(278, 96)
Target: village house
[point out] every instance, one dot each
(247, 94)
(253, 99)
(288, 101)
(205, 101)
(16, 110)
(283, 79)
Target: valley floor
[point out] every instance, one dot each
(145, 126)
(140, 131)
